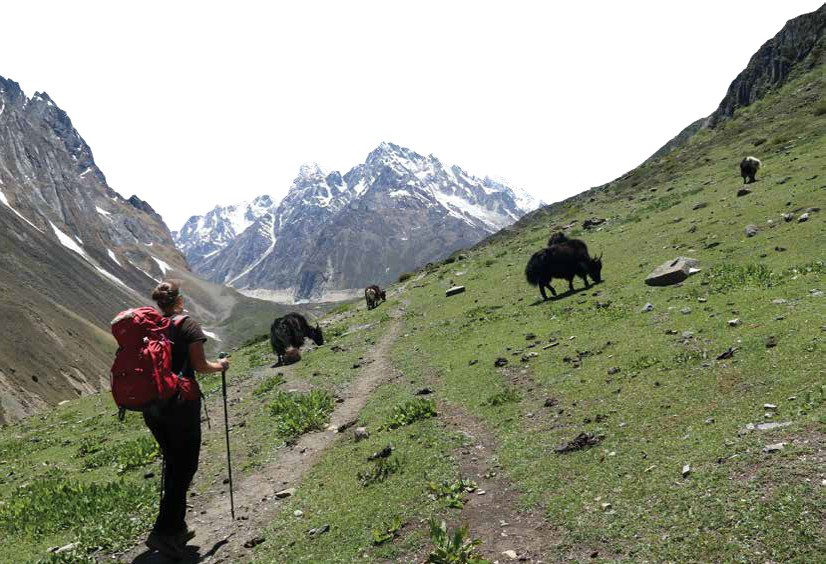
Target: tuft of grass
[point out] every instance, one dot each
(268, 385)
(726, 277)
(452, 547)
(296, 413)
(508, 395)
(409, 412)
(453, 492)
(105, 515)
(381, 469)
(387, 531)
(123, 456)
(820, 108)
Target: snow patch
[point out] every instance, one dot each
(102, 211)
(113, 257)
(6, 203)
(67, 241)
(85, 172)
(162, 265)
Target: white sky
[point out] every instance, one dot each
(192, 104)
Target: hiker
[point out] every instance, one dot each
(176, 425)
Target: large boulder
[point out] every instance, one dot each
(673, 272)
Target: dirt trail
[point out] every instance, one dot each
(220, 540)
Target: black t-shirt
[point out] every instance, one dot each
(187, 332)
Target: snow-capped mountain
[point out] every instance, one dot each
(204, 235)
(332, 233)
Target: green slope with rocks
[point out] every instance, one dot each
(702, 418)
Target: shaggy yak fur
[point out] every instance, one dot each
(563, 260)
(289, 332)
(374, 295)
(748, 169)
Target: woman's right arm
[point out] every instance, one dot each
(197, 357)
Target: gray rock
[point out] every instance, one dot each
(803, 217)
(647, 307)
(776, 447)
(613, 370)
(743, 192)
(361, 433)
(510, 554)
(699, 205)
(734, 322)
(673, 272)
(685, 310)
(318, 530)
(770, 406)
(686, 470)
(766, 426)
(454, 290)
(771, 342)
(751, 230)
(787, 217)
(283, 494)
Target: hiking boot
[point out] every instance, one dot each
(168, 545)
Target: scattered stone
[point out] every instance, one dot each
(511, 553)
(670, 331)
(613, 370)
(150, 475)
(361, 433)
(780, 301)
(65, 548)
(673, 272)
(647, 307)
(702, 300)
(592, 222)
(254, 541)
(454, 290)
(346, 425)
(751, 230)
(816, 293)
(581, 441)
(298, 513)
(770, 406)
(734, 322)
(686, 470)
(803, 217)
(550, 402)
(383, 453)
(743, 192)
(685, 310)
(530, 337)
(787, 217)
(709, 421)
(776, 447)
(728, 353)
(692, 229)
(500, 362)
(812, 210)
(527, 356)
(699, 205)
(424, 392)
(595, 554)
(472, 362)
(771, 342)
(784, 179)
(551, 345)
(64, 402)
(606, 506)
(766, 426)
(318, 530)
(283, 494)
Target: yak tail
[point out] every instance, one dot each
(533, 271)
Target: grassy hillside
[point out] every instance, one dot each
(648, 385)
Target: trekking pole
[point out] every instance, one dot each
(226, 433)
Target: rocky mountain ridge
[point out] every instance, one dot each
(406, 208)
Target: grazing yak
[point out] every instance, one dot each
(748, 169)
(565, 260)
(288, 333)
(374, 295)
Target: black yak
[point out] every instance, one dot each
(374, 295)
(563, 260)
(748, 169)
(557, 238)
(289, 332)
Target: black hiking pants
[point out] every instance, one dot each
(177, 428)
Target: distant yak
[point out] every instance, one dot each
(748, 169)
(289, 332)
(374, 295)
(565, 260)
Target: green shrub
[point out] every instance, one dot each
(726, 277)
(452, 547)
(296, 413)
(107, 515)
(387, 531)
(125, 456)
(453, 492)
(820, 108)
(268, 385)
(410, 412)
(508, 395)
(381, 469)
(405, 276)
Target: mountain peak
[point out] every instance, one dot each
(310, 171)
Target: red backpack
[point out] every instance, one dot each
(142, 372)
